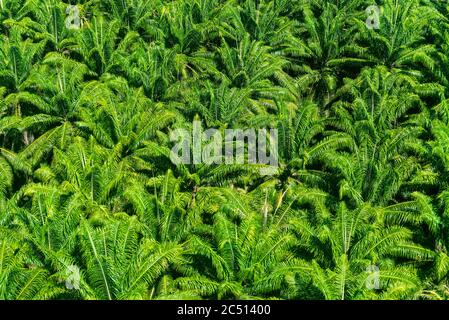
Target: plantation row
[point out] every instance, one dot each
(92, 206)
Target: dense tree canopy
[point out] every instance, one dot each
(90, 94)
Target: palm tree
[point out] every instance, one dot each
(321, 59)
(236, 252)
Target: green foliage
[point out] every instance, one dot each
(87, 188)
